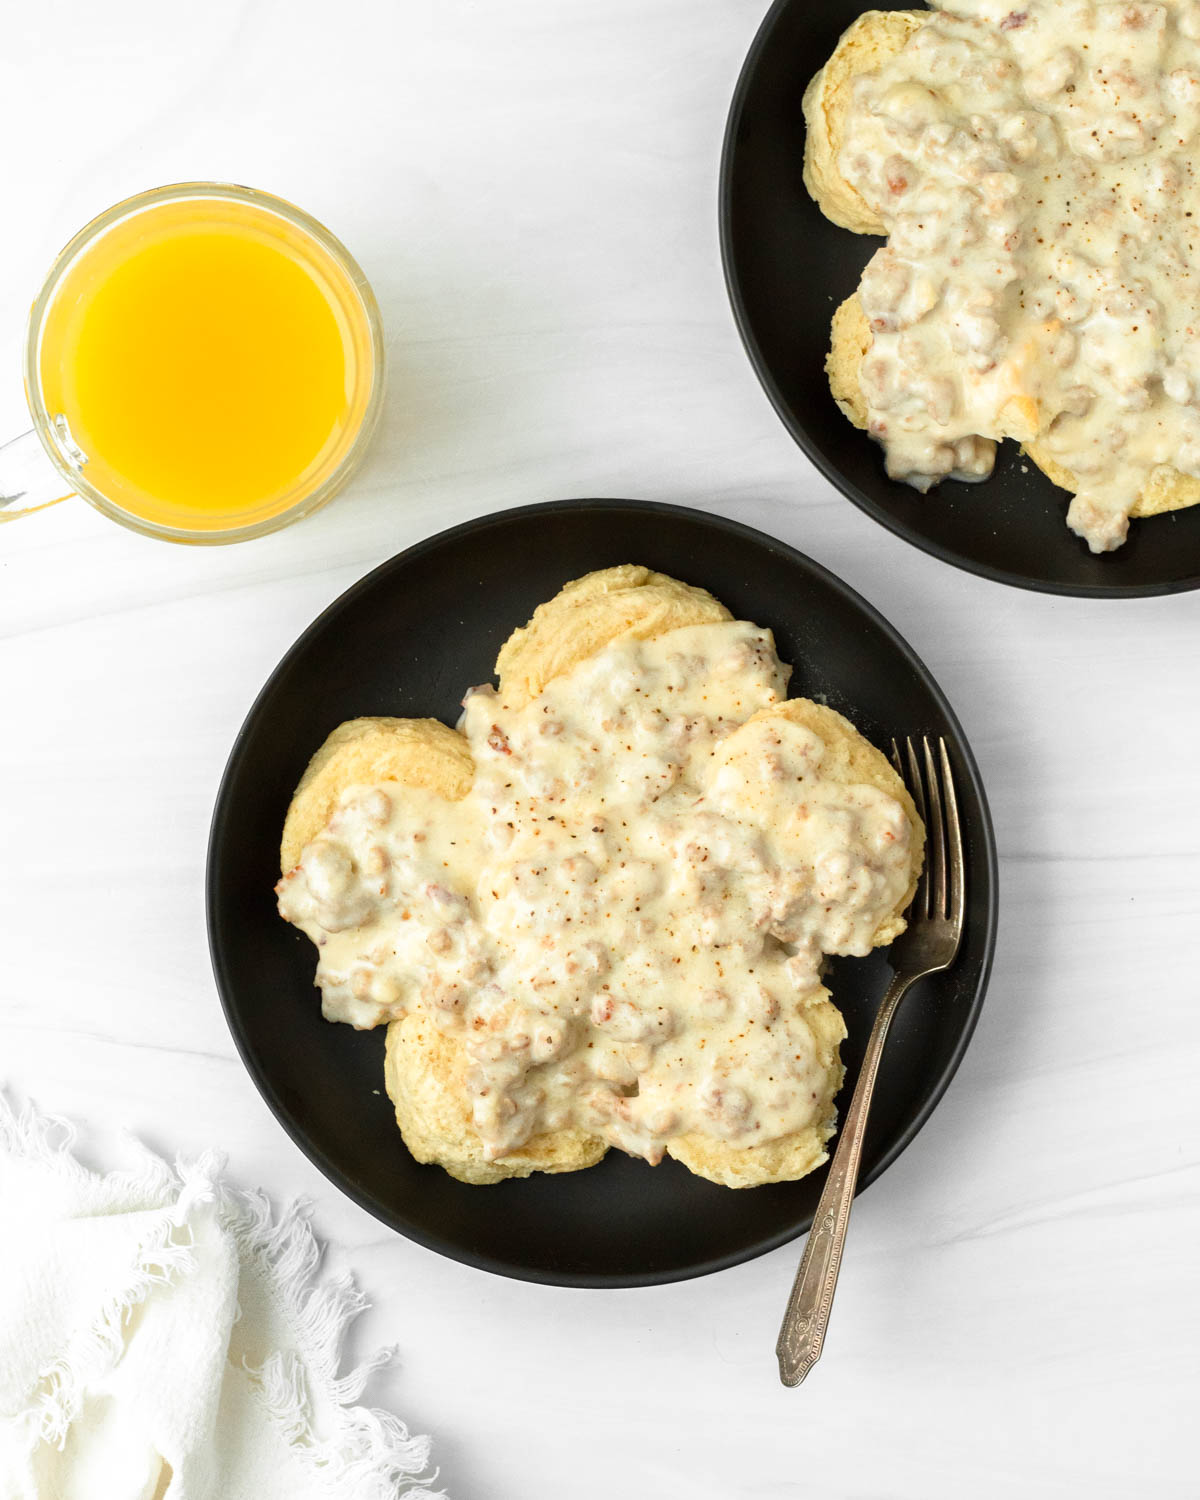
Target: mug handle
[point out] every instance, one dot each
(27, 478)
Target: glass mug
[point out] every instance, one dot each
(204, 364)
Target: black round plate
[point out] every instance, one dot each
(787, 267)
(408, 640)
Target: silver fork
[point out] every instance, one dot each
(930, 944)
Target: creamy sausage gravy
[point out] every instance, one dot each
(626, 916)
(1033, 162)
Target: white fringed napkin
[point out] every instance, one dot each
(163, 1337)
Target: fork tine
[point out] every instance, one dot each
(916, 784)
(958, 864)
(898, 762)
(917, 905)
(935, 835)
(920, 904)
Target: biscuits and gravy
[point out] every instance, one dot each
(1032, 164)
(596, 913)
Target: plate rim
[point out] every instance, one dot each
(857, 496)
(312, 1149)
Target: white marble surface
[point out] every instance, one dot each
(531, 186)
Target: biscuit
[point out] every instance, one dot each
(852, 760)
(849, 341)
(425, 1076)
(365, 752)
(849, 344)
(788, 1157)
(1166, 489)
(875, 37)
(591, 613)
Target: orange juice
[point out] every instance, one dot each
(208, 362)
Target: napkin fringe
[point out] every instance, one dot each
(370, 1454)
(48, 1141)
(367, 1454)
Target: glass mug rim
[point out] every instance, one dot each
(80, 243)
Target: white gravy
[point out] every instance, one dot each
(1033, 162)
(626, 915)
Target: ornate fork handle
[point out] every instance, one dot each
(803, 1330)
(928, 945)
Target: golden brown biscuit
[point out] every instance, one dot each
(851, 760)
(849, 341)
(425, 1075)
(591, 613)
(1166, 489)
(849, 344)
(365, 752)
(875, 37)
(788, 1156)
